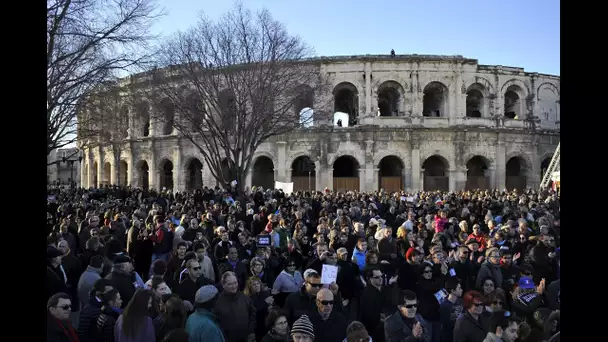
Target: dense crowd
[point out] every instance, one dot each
(126, 265)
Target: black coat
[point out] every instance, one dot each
(428, 306)
(87, 320)
(332, 329)
(124, 284)
(297, 304)
(240, 270)
(57, 333)
(372, 305)
(54, 282)
(468, 329)
(104, 327)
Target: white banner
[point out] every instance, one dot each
(286, 187)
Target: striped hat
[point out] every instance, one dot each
(303, 326)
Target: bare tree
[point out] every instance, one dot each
(107, 122)
(230, 85)
(89, 42)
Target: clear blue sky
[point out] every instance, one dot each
(512, 33)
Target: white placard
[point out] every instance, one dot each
(286, 187)
(329, 274)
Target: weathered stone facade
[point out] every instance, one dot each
(448, 108)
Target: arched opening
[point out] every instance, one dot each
(166, 175)
(346, 174)
(143, 115)
(303, 105)
(168, 112)
(390, 98)
(143, 179)
(475, 102)
(513, 102)
(391, 174)
(435, 174)
(95, 173)
(435, 100)
(515, 174)
(477, 173)
(303, 174)
(195, 113)
(544, 166)
(346, 100)
(263, 173)
(194, 175)
(228, 108)
(107, 174)
(123, 172)
(547, 104)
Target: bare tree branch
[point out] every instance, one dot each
(88, 43)
(230, 85)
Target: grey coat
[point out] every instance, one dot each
(86, 281)
(489, 270)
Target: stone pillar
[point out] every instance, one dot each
(249, 178)
(501, 164)
(130, 173)
(152, 173)
(281, 160)
(90, 176)
(416, 95)
(362, 183)
(318, 177)
(457, 112)
(421, 179)
(417, 173)
(113, 173)
(376, 180)
(177, 169)
(368, 88)
(491, 174)
(330, 178)
(453, 177)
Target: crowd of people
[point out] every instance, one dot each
(127, 265)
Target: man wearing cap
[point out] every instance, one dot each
(56, 277)
(527, 297)
(123, 278)
(202, 325)
(302, 330)
(91, 311)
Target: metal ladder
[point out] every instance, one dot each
(553, 166)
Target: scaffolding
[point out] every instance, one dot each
(553, 166)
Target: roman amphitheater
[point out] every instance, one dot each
(414, 122)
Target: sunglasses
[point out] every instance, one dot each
(65, 307)
(291, 265)
(316, 285)
(477, 304)
(497, 302)
(428, 271)
(327, 302)
(377, 277)
(196, 268)
(409, 306)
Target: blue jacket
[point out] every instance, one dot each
(202, 326)
(360, 258)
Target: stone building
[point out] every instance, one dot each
(64, 166)
(415, 122)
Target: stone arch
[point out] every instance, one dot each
(527, 162)
(478, 172)
(435, 99)
(516, 172)
(304, 104)
(142, 170)
(167, 111)
(166, 170)
(263, 172)
(521, 84)
(346, 100)
(353, 154)
(484, 83)
(547, 100)
(266, 154)
(391, 170)
(123, 172)
(193, 173)
(303, 172)
(514, 102)
(477, 101)
(391, 96)
(436, 173)
(345, 172)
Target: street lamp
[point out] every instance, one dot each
(70, 162)
(310, 167)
